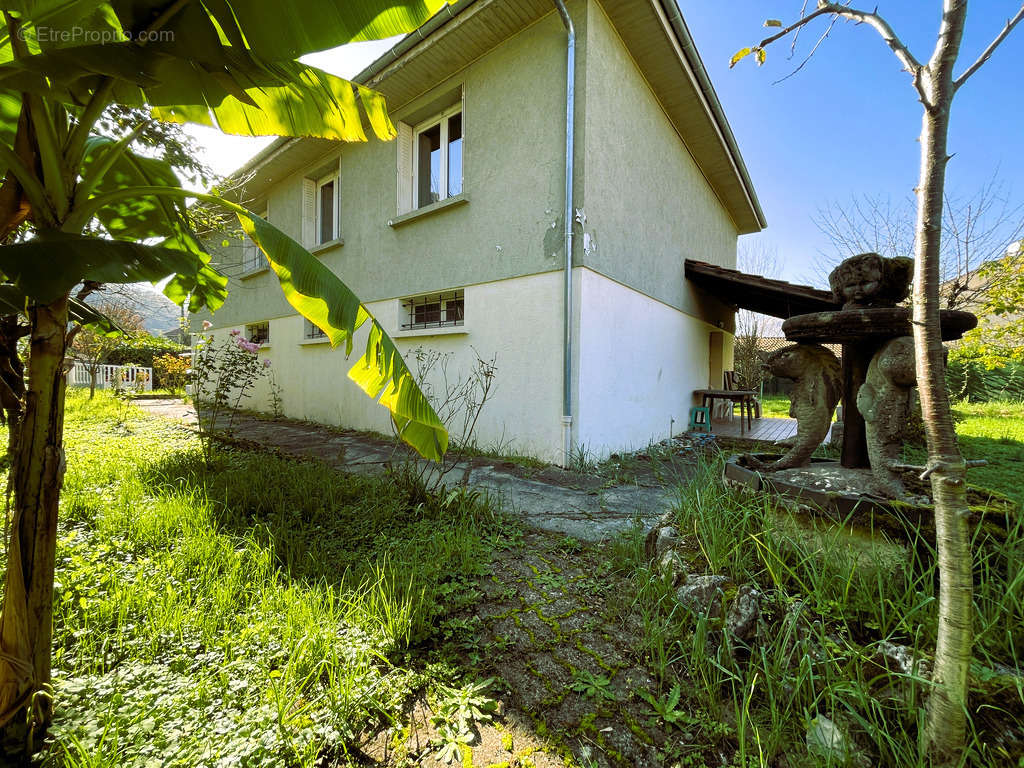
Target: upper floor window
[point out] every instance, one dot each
(253, 258)
(321, 205)
(438, 157)
(327, 209)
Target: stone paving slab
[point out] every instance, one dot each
(593, 515)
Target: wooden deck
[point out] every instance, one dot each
(766, 429)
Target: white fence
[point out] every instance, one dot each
(113, 377)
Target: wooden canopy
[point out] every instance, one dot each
(776, 298)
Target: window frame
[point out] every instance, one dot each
(320, 183)
(260, 263)
(442, 119)
(249, 336)
(311, 333)
(407, 314)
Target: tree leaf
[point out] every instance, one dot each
(737, 57)
(45, 268)
(772, 23)
(760, 54)
(323, 299)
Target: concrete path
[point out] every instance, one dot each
(575, 505)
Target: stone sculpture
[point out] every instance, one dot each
(869, 280)
(885, 400)
(818, 378)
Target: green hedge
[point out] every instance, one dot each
(140, 350)
(969, 379)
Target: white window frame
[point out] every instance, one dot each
(250, 326)
(258, 263)
(442, 120)
(311, 332)
(336, 208)
(408, 311)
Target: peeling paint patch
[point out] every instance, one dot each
(589, 244)
(581, 217)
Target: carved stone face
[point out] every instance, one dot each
(868, 280)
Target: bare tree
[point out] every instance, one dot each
(935, 86)
(976, 231)
(752, 327)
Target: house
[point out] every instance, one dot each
(454, 234)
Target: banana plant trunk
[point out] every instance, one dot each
(946, 718)
(37, 474)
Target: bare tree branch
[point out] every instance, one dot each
(872, 19)
(987, 53)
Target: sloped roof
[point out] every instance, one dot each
(775, 298)
(655, 35)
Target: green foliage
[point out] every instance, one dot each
(142, 349)
(591, 685)
(169, 371)
(456, 711)
(979, 371)
(258, 613)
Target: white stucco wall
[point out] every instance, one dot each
(639, 362)
(518, 319)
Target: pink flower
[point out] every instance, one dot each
(266, 363)
(235, 332)
(207, 325)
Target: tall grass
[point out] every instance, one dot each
(257, 612)
(831, 596)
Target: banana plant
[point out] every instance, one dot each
(80, 209)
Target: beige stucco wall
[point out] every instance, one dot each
(641, 331)
(513, 171)
(510, 319)
(647, 205)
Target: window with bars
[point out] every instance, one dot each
(434, 310)
(311, 332)
(258, 333)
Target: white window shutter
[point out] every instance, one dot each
(405, 139)
(308, 213)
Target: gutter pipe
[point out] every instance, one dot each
(570, 114)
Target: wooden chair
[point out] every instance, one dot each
(731, 381)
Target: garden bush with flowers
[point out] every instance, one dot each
(224, 375)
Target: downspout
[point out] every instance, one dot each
(570, 129)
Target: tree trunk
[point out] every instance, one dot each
(37, 473)
(946, 718)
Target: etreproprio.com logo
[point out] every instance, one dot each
(86, 36)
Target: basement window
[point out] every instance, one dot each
(311, 332)
(258, 333)
(434, 310)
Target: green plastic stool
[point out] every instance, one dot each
(700, 419)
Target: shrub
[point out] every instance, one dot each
(169, 371)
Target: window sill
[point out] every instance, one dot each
(330, 245)
(427, 210)
(453, 330)
(254, 272)
(313, 342)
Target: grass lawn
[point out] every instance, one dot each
(991, 431)
(266, 611)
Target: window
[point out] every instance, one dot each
(437, 158)
(321, 206)
(312, 332)
(258, 333)
(327, 209)
(435, 310)
(253, 258)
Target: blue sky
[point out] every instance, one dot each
(846, 124)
